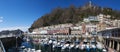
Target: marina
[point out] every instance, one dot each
(65, 45)
(59, 26)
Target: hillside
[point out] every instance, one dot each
(14, 32)
(72, 14)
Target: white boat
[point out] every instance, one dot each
(77, 46)
(65, 46)
(71, 46)
(99, 45)
(38, 51)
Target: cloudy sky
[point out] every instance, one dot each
(20, 14)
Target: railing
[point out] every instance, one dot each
(85, 36)
(2, 49)
(117, 38)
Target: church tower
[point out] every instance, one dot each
(90, 3)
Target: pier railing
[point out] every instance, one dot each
(2, 49)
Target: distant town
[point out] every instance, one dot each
(91, 24)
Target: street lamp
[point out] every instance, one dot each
(16, 41)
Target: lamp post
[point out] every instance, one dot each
(16, 41)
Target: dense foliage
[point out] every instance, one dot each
(72, 14)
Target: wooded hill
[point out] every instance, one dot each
(72, 14)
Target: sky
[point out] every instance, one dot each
(20, 14)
